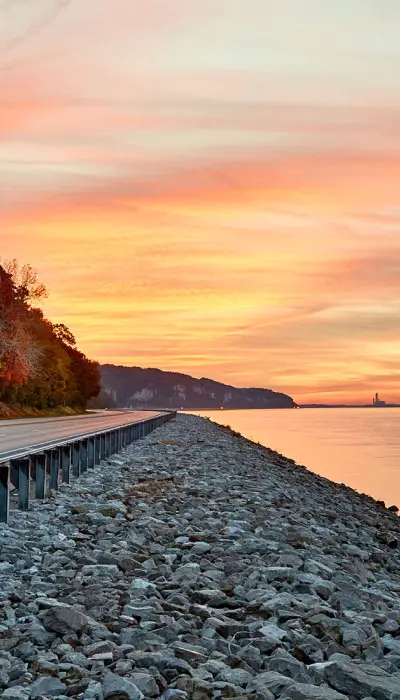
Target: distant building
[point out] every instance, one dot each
(376, 401)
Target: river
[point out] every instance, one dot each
(359, 447)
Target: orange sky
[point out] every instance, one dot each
(211, 187)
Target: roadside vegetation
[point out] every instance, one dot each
(42, 371)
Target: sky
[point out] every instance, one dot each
(211, 186)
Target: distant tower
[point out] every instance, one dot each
(377, 401)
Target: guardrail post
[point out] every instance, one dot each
(91, 452)
(54, 470)
(84, 456)
(65, 463)
(14, 473)
(97, 446)
(108, 443)
(4, 492)
(23, 467)
(40, 481)
(76, 459)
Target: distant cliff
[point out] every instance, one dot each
(152, 388)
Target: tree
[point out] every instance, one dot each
(64, 334)
(26, 283)
(19, 353)
(87, 377)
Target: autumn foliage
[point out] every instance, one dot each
(40, 365)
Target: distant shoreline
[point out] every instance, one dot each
(201, 409)
(318, 405)
(302, 406)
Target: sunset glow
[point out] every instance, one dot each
(211, 187)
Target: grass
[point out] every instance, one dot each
(14, 412)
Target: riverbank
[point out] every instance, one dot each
(201, 565)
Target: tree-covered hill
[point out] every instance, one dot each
(40, 365)
(152, 388)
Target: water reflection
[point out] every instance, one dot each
(357, 446)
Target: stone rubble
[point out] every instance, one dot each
(199, 565)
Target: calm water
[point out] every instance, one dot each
(357, 446)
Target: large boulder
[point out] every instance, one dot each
(63, 619)
(360, 681)
(304, 691)
(115, 686)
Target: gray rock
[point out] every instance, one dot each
(311, 692)
(146, 684)
(272, 635)
(200, 548)
(235, 676)
(114, 685)
(5, 672)
(64, 618)
(101, 571)
(47, 686)
(285, 664)
(274, 683)
(279, 573)
(17, 692)
(98, 648)
(94, 691)
(361, 681)
(391, 643)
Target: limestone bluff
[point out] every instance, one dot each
(148, 388)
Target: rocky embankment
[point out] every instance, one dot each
(200, 565)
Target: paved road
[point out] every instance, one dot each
(15, 435)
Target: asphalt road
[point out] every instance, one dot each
(17, 435)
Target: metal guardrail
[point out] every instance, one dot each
(51, 460)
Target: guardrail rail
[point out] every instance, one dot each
(53, 461)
